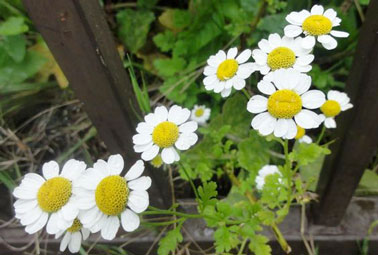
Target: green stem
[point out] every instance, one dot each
(190, 181)
(246, 93)
(321, 135)
(165, 223)
(158, 211)
(281, 239)
(242, 246)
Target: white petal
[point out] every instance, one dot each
(110, 229)
(142, 183)
(138, 201)
(23, 206)
(313, 99)
(257, 104)
(90, 216)
(52, 226)
(226, 92)
(99, 224)
(188, 127)
(70, 211)
(209, 70)
(50, 169)
(143, 147)
(324, 38)
(115, 164)
(178, 115)
(144, 128)
(264, 69)
(214, 61)
(135, 171)
(161, 113)
(35, 177)
(24, 193)
(265, 46)
(168, 155)
(303, 85)
(239, 83)
(259, 56)
(330, 43)
(305, 60)
(186, 140)
(129, 220)
(231, 53)
(102, 167)
(292, 30)
(85, 232)
(301, 68)
(306, 139)
(274, 40)
(259, 119)
(266, 87)
(31, 216)
(308, 42)
(317, 10)
(75, 243)
(307, 119)
(244, 56)
(341, 34)
(150, 153)
(37, 225)
(281, 127)
(330, 14)
(330, 123)
(210, 80)
(151, 119)
(346, 107)
(219, 87)
(291, 130)
(245, 70)
(64, 243)
(221, 55)
(297, 18)
(141, 139)
(268, 125)
(72, 169)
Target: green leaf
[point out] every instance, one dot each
(13, 26)
(266, 217)
(305, 154)
(169, 66)
(147, 3)
(253, 152)
(133, 27)
(369, 181)
(169, 242)
(165, 41)
(259, 245)
(207, 194)
(15, 46)
(225, 240)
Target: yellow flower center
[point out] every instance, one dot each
(76, 226)
(300, 132)
(165, 134)
(317, 25)
(331, 108)
(199, 112)
(227, 69)
(281, 57)
(284, 104)
(157, 161)
(111, 195)
(54, 194)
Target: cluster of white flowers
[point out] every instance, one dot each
(79, 201)
(289, 106)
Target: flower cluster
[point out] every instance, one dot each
(80, 200)
(289, 106)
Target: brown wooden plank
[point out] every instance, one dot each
(77, 34)
(357, 132)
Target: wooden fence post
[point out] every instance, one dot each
(357, 132)
(78, 36)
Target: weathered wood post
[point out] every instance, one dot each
(357, 132)
(78, 36)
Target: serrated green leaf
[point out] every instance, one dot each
(225, 240)
(170, 241)
(258, 245)
(207, 193)
(165, 41)
(169, 66)
(305, 154)
(133, 27)
(15, 46)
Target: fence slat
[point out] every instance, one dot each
(357, 132)
(77, 34)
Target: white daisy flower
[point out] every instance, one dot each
(276, 53)
(284, 109)
(48, 199)
(263, 173)
(301, 136)
(108, 200)
(336, 103)
(200, 114)
(73, 236)
(315, 25)
(165, 131)
(225, 71)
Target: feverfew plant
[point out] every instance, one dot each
(263, 164)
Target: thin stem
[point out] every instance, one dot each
(246, 93)
(303, 215)
(281, 239)
(321, 134)
(164, 223)
(190, 181)
(172, 192)
(155, 211)
(242, 246)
